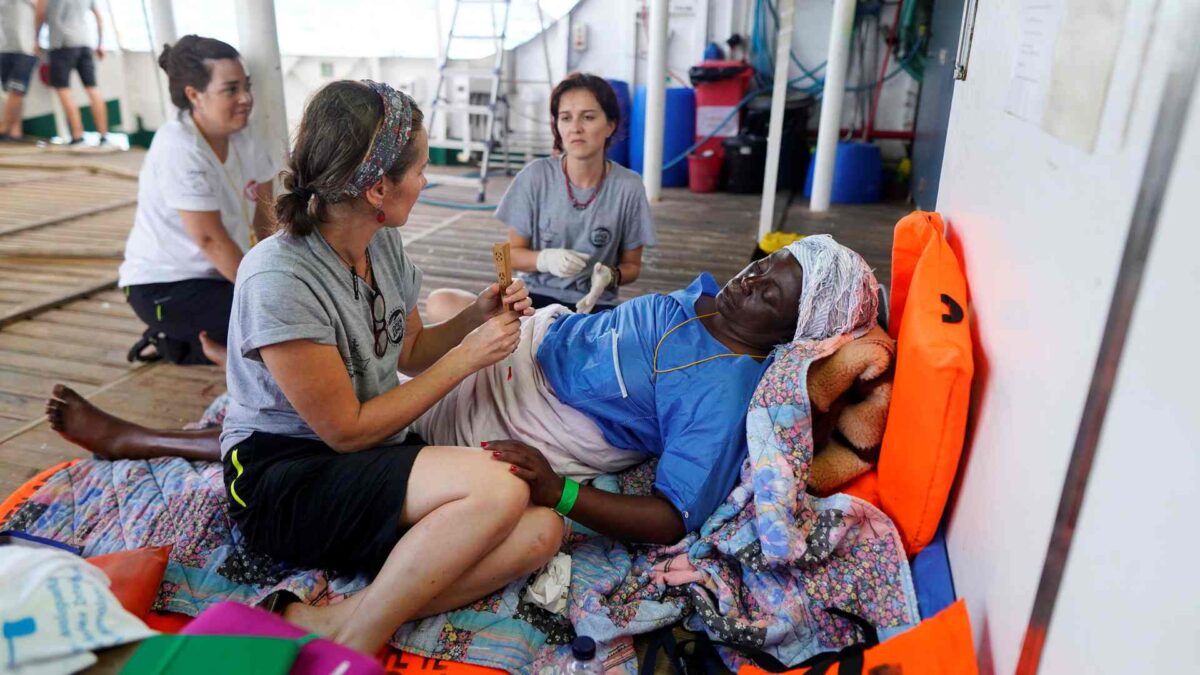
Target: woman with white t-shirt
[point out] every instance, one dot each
(204, 195)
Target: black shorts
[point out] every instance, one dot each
(16, 70)
(176, 312)
(66, 59)
(305, 504)
(540, 301)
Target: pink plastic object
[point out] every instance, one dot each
(318, 657)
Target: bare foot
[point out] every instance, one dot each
(326, 620)
(85, 425)
(215, 351)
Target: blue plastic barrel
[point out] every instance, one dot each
(618, 151)
(857, 174)
(678, 135)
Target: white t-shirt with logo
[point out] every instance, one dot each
(182, 173)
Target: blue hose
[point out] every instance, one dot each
(741, 104)
(429, 201)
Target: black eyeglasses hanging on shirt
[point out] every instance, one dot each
(377, 306)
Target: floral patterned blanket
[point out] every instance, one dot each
(772, 559)
(760, 574)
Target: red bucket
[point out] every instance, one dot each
(704, 171)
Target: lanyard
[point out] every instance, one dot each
(654, 364)
(241, 193)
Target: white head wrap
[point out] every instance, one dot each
(840, 296)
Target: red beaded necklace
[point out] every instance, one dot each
(571, 193)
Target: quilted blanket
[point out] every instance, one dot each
(759, 574)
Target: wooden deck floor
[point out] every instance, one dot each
(63, 222)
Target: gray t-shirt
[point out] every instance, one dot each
(295, 288)
(536, 205)
(67, 20)
(16, 26)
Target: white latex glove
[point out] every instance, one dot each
(602, 276)
(561, 262)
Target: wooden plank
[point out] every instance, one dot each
(13, 476)
(27, 285)
(149, 408)
(116, 295)
(37, 453)
(70, 334)
(53, 368)
(113, 252)
(92, 353)
(93, 305)
(40, 307)
(36, 385)
(51, 220)
(34, 269)
(20, 407)
(86, 270)
(111, 324)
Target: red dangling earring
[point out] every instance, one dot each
(379, 217)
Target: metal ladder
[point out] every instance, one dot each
(495, 110)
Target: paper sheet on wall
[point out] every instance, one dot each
(1064, 61)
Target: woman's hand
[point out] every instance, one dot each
(516, 298)
(494, 340)
(561, 262)
(528, 464)
(602, 276)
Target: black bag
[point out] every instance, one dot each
(699, 656)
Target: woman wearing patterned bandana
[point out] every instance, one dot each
(319, 465)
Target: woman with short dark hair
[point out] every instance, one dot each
(204, 194)
(577, 222)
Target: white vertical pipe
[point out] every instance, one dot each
(162, 15)
(630, 35)
(656, 101)
(259, 45)
(840, 27)
(783, 49)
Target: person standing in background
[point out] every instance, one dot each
(70, 50)
(17, 41)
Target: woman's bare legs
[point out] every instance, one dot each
(534, 540)
(472, 531)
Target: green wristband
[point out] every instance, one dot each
(569, 494)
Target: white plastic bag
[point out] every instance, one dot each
(549, 588)
(55, 609)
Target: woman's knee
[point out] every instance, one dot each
(497, 492)
(442, 475)
(548, 530)
(445, 303)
